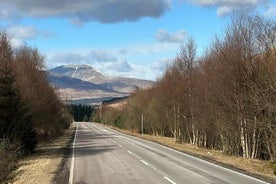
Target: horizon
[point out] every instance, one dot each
(121, 38)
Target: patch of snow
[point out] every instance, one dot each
(75, 71)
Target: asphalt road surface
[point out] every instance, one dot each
(105, 156)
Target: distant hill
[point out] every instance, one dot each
(89, 74)
(62, 81)
(84, 84)
(82, 72)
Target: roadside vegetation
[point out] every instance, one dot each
(81, 112)
(224, 100)
(30, 111)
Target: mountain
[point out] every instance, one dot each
(83, 72)
(127, 85)
(80, 91)
(62, 81)
(89, 74)
(84, 84)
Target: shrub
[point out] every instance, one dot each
(272, 165)
(9, 154)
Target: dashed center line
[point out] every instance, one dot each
(144, 162)
(130, 152)
(168, 179)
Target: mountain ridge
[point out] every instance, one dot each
(83, 83)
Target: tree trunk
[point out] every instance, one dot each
(242, 138)
(254, 140)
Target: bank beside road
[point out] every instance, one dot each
(49, 164)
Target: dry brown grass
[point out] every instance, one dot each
(118, 105)
(43, 166)
(254, 167)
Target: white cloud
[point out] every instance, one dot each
(8, 11)
(101, 55)
(62, 58)
(22, 32)
(107, 11)
(271, 11)
(131, 61)
(118, 68)
(225, 10)
(225, 7)
(161, 65)
(163, 35)
(228, 2)
(143, 49)
(16, 43)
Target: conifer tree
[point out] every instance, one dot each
(15, 120)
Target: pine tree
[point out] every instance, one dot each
(15, 119)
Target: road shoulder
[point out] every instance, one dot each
(252, 167)
(48, 164)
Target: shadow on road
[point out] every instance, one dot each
(90, 143)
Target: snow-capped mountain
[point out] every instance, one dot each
(82, 72)
(89, 74)
(86, 84)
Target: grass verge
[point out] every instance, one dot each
(46, 165)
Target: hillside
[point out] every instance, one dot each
(82, 72)
(84, 84)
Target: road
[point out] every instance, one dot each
(105, 156)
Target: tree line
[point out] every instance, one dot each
(30, 110)
(223, 100)
(81, 112)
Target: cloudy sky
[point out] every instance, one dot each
(133, 38)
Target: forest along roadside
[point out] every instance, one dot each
(48, 164)
(257, 168)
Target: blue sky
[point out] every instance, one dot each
(130, 38)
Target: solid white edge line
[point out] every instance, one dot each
(216, 165)
(73, 158)
(191, 156)
(168, 179)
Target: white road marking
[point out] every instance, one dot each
(125, 136)
(144, 162)
(130, 152)
(218, 166)
(168, 179)
(73, 158)
(120, 145)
